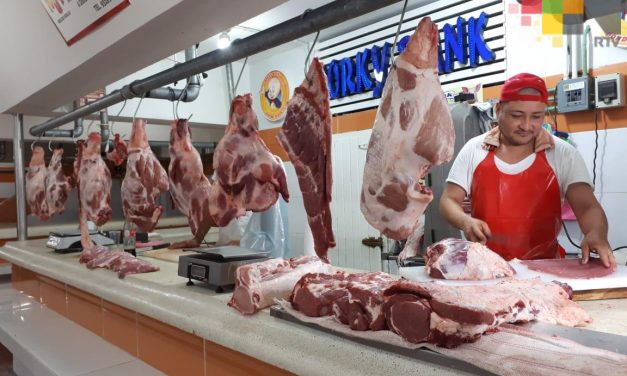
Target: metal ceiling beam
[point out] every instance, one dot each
(312, 21)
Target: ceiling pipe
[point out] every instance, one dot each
(310, 22)
(72, 133)
(191, 91)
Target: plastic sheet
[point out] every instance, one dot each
(266, 231)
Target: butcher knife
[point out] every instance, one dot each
(586, 337)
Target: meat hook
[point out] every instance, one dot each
(398, 30)
(175, 108)
(309, 54)
(32, 145)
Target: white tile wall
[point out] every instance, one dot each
(611, 182)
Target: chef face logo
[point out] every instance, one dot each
(273, 95)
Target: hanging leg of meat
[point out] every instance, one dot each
(144, 181)
(189, 187)
(249, 177)
(119, 152)
(95, 183)
(306, 136)
(58, 186)
(413, 131)
(36, 185)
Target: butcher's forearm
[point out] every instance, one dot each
(593, 220)
(453, 212)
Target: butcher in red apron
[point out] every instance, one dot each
(515, 191)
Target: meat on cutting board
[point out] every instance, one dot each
(306, 137)
(570, 268)
(94, 183)
(428, 312)
(36, 185)
(413, 131)
(249, 176)
(58, 186)
(120, 151)
(258, 284)
(144, 181)
(189, 187)
(461, 259)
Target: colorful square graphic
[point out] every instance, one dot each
(513, 8)
(558, 41)
(552, 24)
(573, 7)
(552, 6)
(600, 8)
(525, 20)
(531, 6)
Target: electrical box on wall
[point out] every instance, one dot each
(610, 90)
(575, 94)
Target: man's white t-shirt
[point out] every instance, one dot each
(565, 160)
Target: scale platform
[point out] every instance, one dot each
(216, 266)
(66, 242)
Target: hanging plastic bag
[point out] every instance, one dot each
(266, 231)
(232, 233)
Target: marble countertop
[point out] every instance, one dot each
(164, 296)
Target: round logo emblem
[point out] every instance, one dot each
(273, 95)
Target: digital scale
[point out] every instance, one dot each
(66, 242)
(216, 266)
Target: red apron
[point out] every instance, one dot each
(523, 210)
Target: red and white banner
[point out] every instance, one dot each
(76, 18)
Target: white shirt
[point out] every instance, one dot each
(564, 159)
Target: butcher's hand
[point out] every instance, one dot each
(476, 230)
(599, 244)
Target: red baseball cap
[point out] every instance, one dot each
(513, 86)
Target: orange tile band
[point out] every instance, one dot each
(573, 122)
(169, 349)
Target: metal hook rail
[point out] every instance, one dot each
(297, 27)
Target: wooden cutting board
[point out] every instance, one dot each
(170, 255)
(609, 287)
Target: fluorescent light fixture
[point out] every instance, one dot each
(224, 40)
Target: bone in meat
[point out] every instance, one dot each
(413, 131)
(144, 181)
(58, 186)
(306, 137)
(189, 187)
(249, 177)
(119, 152)
(36, 185)
(95, 183)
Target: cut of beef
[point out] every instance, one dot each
(36, 185)
(428, 312)
(189, 187)
(121, 262)
(258, 284)
(120, 151)
(249, 177)
(58, 186)
(413, 131)
(306, 137)
(144, 181)
(94, 183)
(462, 259)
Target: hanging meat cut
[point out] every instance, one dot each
(413, 131)
(306, 137)
(249, 177)
(427, 312)
(94, 183)
(120, 151)
(36, 185)
(189, 187)
(461, 259)
(58, 186)
(144, 181)
(258, 284)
